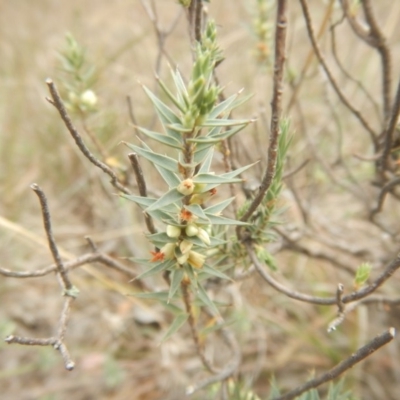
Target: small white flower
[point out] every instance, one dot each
(88, 98)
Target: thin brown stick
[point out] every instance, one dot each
(362, 353)
(296, 86)
(57, 342)
(374, 37)
(389, 270)
(71, 265)
(231, 367)
(389, 132)
(276, 105)
(358, 82)
(142, 188)
(193, 328)
(329, 74)
(382, 195)
(57, 102)
(50, 237)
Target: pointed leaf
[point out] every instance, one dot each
(228, 133)
(141, 201)
(176, 279)
(214, 272)
(171, 96)
(206, 165)
(159, 239)
(217, 220)
(238, 171)
(158, 159)
(169, 177)
(179, 128)
(223, 106)
(197, 211)
(218, 208)
(158, 268)
(201, 152)
(190, 273)
(162, 108)
(175, 326)
(162, 138)
(179, 83)
(160, 296)
(165, 117)
(168, 198)
(226, 122)
(203, 296)
(216, 138)
(214, 179)
(145, 202)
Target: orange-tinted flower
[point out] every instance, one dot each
(186, 215)
(157, 256)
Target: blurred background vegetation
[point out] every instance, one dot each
(114, 338)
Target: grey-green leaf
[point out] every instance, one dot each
(164, 139)
(176, 279)
(158, 159)
(158, 268)
(214, 179)
(175, 326)
(218, 208)
(168, 198)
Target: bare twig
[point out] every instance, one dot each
(358, 295)
(57, 102)
(358, 82)
(276, 105)
(329, 74)
(389, 132)
(310, 56)
(57, 342)
(194, 15)
(382, 195)
(142, 188)
(67, 285)
(193, 328)
(374, 38)
(343, 366)
(231, 367)
(71, 265)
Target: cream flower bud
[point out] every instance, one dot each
(185, 246)
(173, 231)
(203, 236)
(88, 98)
(186, 187)
(168, 250)
(191, 230)
(196, 260)
(183, 258)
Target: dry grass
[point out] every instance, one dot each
(114, 348)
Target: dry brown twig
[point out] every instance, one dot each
(57, 102)
(373, 36)
(69, 291)
(276, 106)
(332, 80)
(343, 366)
